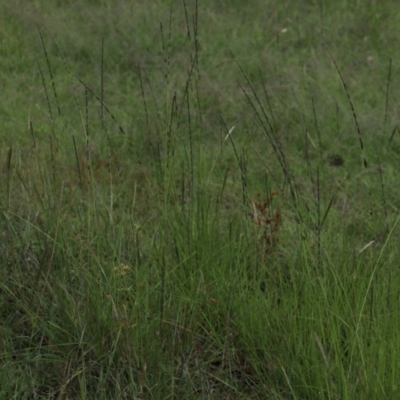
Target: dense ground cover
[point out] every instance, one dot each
(199, 200)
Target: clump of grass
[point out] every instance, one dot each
(146, 251)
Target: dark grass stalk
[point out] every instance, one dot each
(167, 60)
(243, 168)
(149, 135)
(46, 276)
(45, 90)
(102, 83)
(103, 104)
(78, 164)
(383, 191)
(337, 119)
(187, 20)
(169, 132)
(371, 304)
(309, 164)
(271, 139)
(268, 169)
(169, 42)
(87, 130)
(39, 197)
(167, 57)
(71, 75)
(278, 58)
(268, 100)
(166, 53)
(88, 90)
(298, 29)
(147, 80)
(47, 96)
(239, 161)
(31, 197)
(9, 171)
(190, 145)
(331, 202)
(137, 241)
(395, 129)
(317, 128)
(196, 56)
(387, 92)
(112, 156)
(352, 109)
(270, 131)
(268, 190)
(318, 199)
(49, 69)
(321, 18)
(53, 165)
(197, 90)
(186, 90)
(183, 200)
(317, 194)
(162, 292)
(196, 24)
(102, 100)
(222, 190)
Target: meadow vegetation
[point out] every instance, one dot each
(199, 200)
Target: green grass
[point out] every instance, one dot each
(187, 210)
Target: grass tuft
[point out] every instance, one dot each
(183, 210)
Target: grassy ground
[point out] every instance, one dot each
(199, 200)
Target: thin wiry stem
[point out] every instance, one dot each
(352, 109)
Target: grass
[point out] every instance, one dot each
(199, 200)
